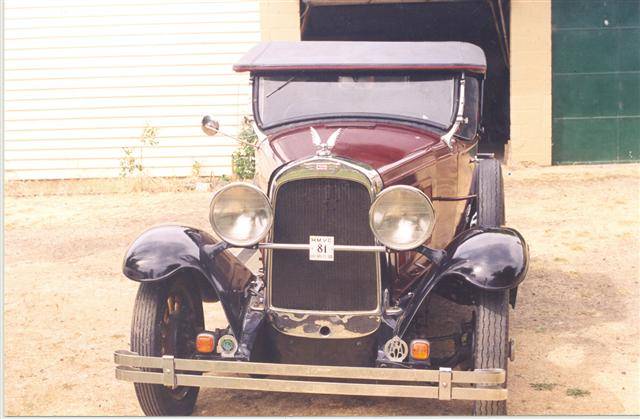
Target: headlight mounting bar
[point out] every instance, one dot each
(434, 255)
(337, 247)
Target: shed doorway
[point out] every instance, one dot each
(481, 22)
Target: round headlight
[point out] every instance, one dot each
(402, 217)
(240, 214)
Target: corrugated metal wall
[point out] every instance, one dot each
(83, 78)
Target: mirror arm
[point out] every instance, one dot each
(238, 140)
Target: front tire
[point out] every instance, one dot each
(491, 330)
(491, 343)
(167, 316)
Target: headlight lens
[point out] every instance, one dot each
(402, 217)
(240, 214)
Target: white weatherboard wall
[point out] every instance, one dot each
(83, 78)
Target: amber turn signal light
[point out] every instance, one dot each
(420, 349)
(205, 343)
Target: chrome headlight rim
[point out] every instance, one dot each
(411, 245)
(230, 240)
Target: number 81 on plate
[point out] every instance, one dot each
(321, 248)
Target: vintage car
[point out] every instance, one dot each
(369, 199)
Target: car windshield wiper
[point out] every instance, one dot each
(281, 86)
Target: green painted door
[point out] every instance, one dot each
(596, 80)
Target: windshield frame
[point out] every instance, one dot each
(255, 80)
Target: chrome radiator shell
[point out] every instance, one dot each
(319, 322)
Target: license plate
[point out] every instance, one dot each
(321, 248)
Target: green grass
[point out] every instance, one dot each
(577, 392)
(540, 329)
(542, 386)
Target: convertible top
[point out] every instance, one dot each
(348, 55)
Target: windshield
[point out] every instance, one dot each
(424, 98)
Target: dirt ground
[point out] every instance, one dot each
(67, 306)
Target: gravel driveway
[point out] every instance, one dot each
(68, 307)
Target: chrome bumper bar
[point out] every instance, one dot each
(442, 384)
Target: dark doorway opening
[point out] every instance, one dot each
(483, 22)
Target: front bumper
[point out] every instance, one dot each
(443, 384)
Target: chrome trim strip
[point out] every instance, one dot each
(346, 169)
(491, 380)
(337, 247)
(460, 119)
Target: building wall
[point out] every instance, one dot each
(280, 20)
(83, 78)
(530, 82)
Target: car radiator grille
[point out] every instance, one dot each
(323, 207)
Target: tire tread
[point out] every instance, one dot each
(492, 311)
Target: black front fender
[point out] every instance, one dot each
(164, 251)
(490, 259)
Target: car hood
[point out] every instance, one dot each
(377, 145)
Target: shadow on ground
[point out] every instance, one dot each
(252, 403)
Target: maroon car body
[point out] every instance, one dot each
(417, 157)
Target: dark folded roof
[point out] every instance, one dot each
(335, 55)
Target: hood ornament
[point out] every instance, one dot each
(324, 149)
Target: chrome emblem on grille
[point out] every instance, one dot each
(396, 349)
(324, 149)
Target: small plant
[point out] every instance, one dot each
(131, 164)
(128, 164)
(577, 392)
(225, 178)
(542, 386)
(196, 167)
(243, 163)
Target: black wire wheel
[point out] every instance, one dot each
(167, 317)
(491, 329)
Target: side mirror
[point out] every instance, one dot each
(210, 126)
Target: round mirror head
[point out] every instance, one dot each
(209, 125)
